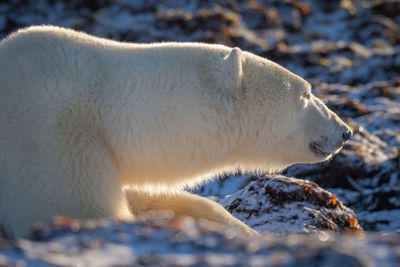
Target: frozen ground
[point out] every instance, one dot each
(181, 241)
(348, 50)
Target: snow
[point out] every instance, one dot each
(385, 220)
(220, 187)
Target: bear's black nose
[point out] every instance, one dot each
(347, 134)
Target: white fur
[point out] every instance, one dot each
(81, 117)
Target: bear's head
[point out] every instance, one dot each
(281, 121)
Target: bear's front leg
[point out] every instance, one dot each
(182, 203)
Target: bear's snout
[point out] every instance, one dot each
(347, 134)
(327, 146)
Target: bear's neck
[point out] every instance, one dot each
(169, 147)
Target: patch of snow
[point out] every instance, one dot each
(220, 187)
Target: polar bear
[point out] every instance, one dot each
(84, 118)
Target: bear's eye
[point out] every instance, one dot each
(306, 96)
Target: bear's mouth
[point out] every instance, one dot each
(317, 149)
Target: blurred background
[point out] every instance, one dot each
(347, 49)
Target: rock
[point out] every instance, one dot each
(278, 204)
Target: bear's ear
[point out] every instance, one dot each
(232, 71)
(223, 74)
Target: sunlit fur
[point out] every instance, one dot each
(82, 117)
